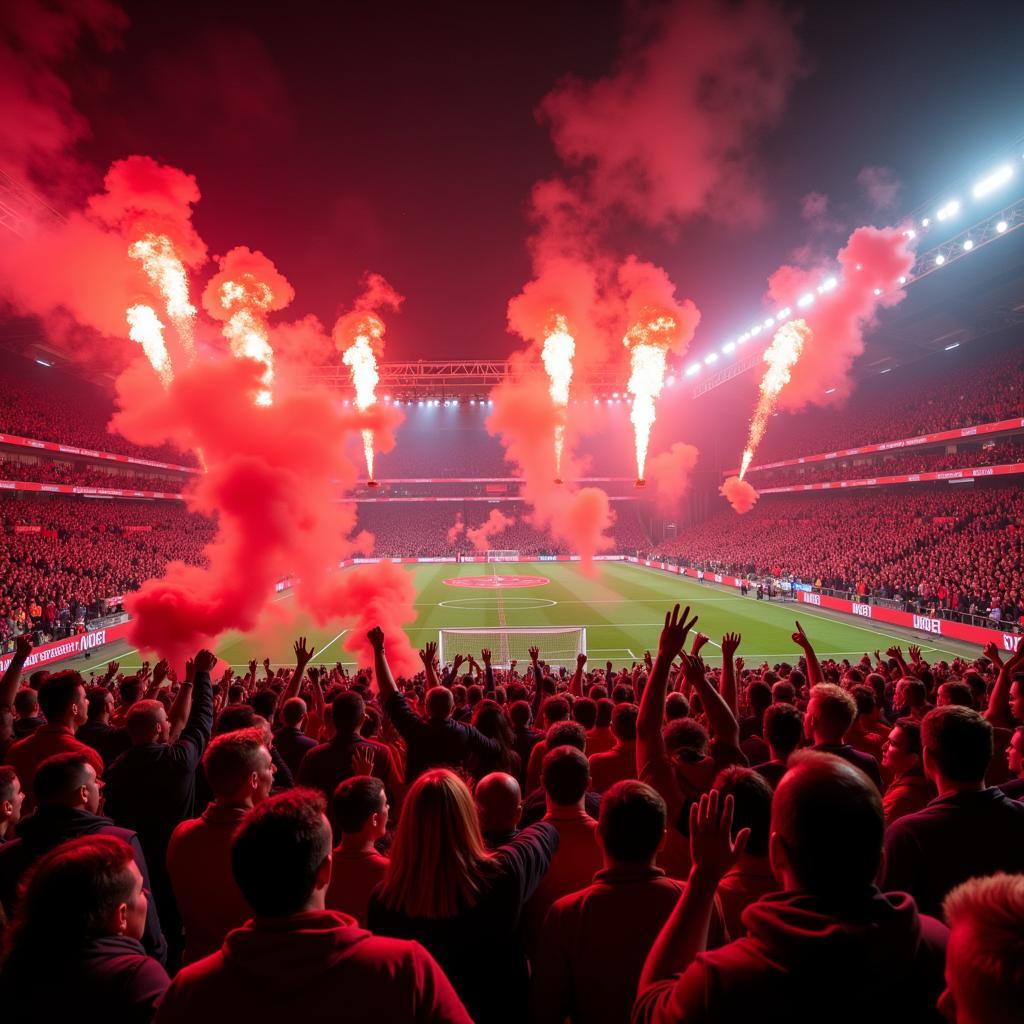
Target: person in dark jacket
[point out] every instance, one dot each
(446, 890)
(968, 830)
(289, 738)
(433, 741)
(73, 950)
(69, 796)
(151, 787)
(794, 963)
(830, 713)
(107, 740)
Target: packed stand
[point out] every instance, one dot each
(1000, 453)
(77, 474)
(934, 549)
(959, 389)
(48, 405)
(62, 561)
(662, 842)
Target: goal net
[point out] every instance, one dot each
(558, 645)
(502, 556)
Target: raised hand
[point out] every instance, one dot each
(699, 640)
(730, 644)
(512, 665)
(894, 652)
(302, 654)
(674, 633)
(581, 660)
(693, 668)
(534, 653)
(204, 661)
(112, 667)
(266, 665)
(376, 638)
(486, 655)
(739, 663)
(190, 671)
(362, 761)
(915, 653)
(457, 663)
(252, 667)
(992, 653)
(800, 637)
(428, 653)
(160, 671)
(712, 848)
(648, 660)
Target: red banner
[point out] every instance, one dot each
(52, 446)
(28, 529)
(971, 473)
(72, 647)
(996, 427)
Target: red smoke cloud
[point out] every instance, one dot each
(497, 522)
(670, 474)
(874, 259)
(456, 528)
(376, 295)
(740, 494)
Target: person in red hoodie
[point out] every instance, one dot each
(240, 771)
(295, 960)
(829, 946)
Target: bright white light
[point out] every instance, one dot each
(1001, 226)
(926, 222)
(878, 291)
(710, 358)
(490, 401)
(805, 300)
(968, 245)
(939, 260)
(910, 233)
(615, 394)
(729, 348)
(830, 391)
(692, 369)
(956, 344)
(903, 280)
(950, 209)
(992, 181)
(597, 401)
(419, 401)
(770, 322)
(670, 381)
(830, 283)
(610, 400)
(755, 330)
(858, 267)
(743, 338)
(888, 369)
(783, 313)
(43, 362)
(472, 401)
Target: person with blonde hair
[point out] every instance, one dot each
(463, 902)
(985, 954)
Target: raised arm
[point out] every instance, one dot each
(427, 656)
(576, 684)
(303, 656)
(199, 725)
(814, 675)
(998, 712)
(730, 644)
(485, 656)
(722, 721)
(896, 654)
(159, 675)
(181, 708)
(538, 692)
(12, 676)
(381, 669)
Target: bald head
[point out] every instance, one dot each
(440, 702)
(499, 802)
(827, 825)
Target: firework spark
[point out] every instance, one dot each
(246, 329)
(145, 327)
(781, 356)
(166, 271)
(361, 359)
(648, 341)
(558, 352)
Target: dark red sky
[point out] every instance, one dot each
(401, 138)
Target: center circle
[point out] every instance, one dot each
(496, 582)
(487, 604)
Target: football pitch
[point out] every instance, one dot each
(622, 608)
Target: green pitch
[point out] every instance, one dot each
(622, 608)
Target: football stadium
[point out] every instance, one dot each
(511, 512)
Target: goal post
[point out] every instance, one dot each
(499, 555)
(558, 645)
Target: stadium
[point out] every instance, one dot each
(555, 534)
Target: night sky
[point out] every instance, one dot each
(402, 138)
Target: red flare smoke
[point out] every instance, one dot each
(670, 472)
(456, 528)
(497, 522)
(740, 494)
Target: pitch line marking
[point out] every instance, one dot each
(329, 644)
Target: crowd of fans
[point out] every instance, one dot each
(936, 548)
(63, 560)
(961, 389)
(1000, 453)
(79, 474)
(805, 841)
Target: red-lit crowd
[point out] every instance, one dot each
(49, 471)
(805, 841)
(933, 548)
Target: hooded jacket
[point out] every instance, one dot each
(52, 825)
(317, 965)
(806, 960)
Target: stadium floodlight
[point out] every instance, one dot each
(926, 222)
(878, 291)
(805, 300)
(729, 347)
(956, 344)
(1001, 227)
(830, 391)
(992, 181)
(43, 362)
(769, 323)
(784, 313)
(910, 233)
(968, 245)
(888, 369)
(939, 260)
(559, 645)
(830, 284)
(903, 280)
(692, 369)
(948, 209)
(710, 358)
(755, 330)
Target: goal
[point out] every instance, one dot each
(502, 556)
(558, 645)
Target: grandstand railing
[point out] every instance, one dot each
(65, 449)
(967, 473)
(958, 434)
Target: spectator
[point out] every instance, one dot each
(589, 964)
(830, 714)
(68, 794)
(295, 959)
(73, 950)
(783, 731)
(968, 830)
(62, 701)
(910, 789)
(11, 799)
(619, 763)
(499, 805)
(26, 710)
(290, 738)
(794, 962)
(561, 734)
(97, 732)
(444, 889)
(985, 955)
(240, 773)
(360, 813)
(1015, 760)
